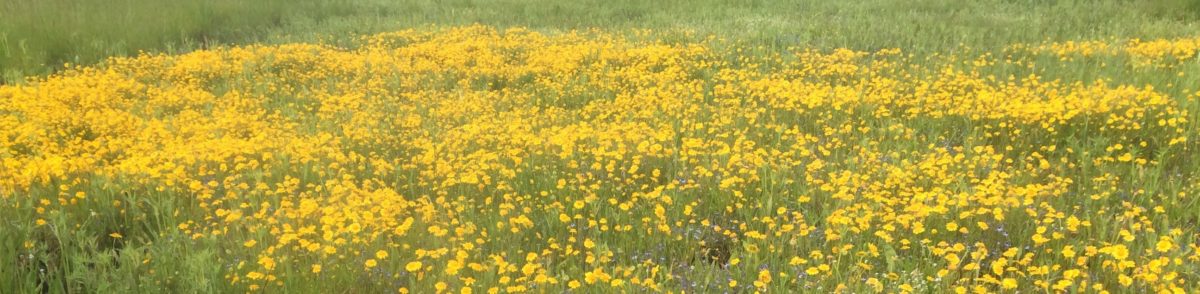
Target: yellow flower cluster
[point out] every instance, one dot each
(1158, 52)
(472, 159)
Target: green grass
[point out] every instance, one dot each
(923, 25)
(37, 37)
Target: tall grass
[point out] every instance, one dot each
(37, 36)
(917, 25)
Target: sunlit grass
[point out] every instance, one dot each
(39, 36)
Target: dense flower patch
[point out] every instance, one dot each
(476, 159)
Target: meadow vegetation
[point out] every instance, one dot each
(636, 146)
(40, 36)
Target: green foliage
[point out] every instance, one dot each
(915, 26)
(38, 36)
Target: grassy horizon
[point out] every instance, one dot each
(37, 37)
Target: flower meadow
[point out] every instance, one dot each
(479, 160)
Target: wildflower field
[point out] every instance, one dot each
(478, 159)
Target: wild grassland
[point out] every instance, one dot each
(39, 36)
(719, 146)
